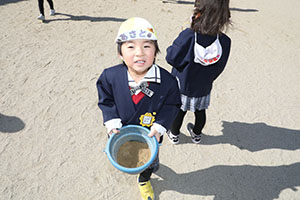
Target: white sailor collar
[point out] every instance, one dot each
(209, 55)
(153, 75)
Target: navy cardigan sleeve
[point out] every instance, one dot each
(178, 53)
(106, 99)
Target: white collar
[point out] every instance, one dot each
(209, 55)
(153, 75)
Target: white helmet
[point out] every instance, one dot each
(135, 28)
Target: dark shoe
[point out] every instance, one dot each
(195, 138)
(174, 139)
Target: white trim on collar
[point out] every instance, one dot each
(153, 75)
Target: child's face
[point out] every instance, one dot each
(138, 55)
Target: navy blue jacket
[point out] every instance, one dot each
(115, 99)
(195, 79)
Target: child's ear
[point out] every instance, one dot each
(120, 56)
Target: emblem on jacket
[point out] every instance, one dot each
(147, 119)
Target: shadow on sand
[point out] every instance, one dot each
(4, 2)
(193, 2)
(243, 10)
(252, 137)
(83, 18)
(9, 124)
(178, 2)
(255, 137)
(230, 182)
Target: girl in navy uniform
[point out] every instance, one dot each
(198, 56)
(138, 91)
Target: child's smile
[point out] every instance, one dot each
(139, 56)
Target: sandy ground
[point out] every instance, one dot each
(51, 132)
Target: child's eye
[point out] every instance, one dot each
(147, 46)
(130, 47)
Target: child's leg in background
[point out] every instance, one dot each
(200, 120)
(177, 123)
(51, 4)
(41, 6)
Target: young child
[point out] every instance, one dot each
(138, 91)
(41, 8)
(198, 56)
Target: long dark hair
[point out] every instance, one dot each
(210, 16)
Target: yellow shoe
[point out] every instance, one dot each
(146, 190)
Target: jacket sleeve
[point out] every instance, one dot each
(178, 53)
(170, 107)
(106, 101)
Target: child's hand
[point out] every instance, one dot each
(154, 132)
(114, 131)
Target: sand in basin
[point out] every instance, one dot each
(133, 154)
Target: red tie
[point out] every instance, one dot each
(136, 98)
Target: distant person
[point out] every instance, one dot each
(198, 56)
(41, 8)
(138, 91)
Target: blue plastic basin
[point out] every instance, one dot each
(130, 133)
